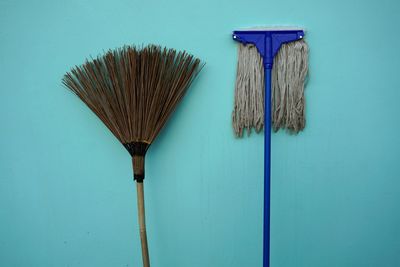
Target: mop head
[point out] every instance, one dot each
(288, 80)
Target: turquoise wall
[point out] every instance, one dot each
(66, 191)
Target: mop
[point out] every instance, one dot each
(276, 58)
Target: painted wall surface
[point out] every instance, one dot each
(66, 191)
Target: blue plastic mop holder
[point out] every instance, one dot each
(267, 41)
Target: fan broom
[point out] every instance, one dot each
(134, 91)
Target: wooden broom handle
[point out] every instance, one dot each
(142, 224)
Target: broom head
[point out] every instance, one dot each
(133, 91)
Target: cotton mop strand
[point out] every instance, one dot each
(289, 75)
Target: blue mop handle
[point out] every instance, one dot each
(268, 41)
(267, 164)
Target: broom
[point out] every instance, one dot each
(271, 74)
(134, 91)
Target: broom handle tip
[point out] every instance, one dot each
(142, 224)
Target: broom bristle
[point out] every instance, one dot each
(134, 90)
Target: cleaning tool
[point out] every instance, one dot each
(134, 91)
(276, 58)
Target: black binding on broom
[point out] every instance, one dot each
(137, 148)
(138, 152)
